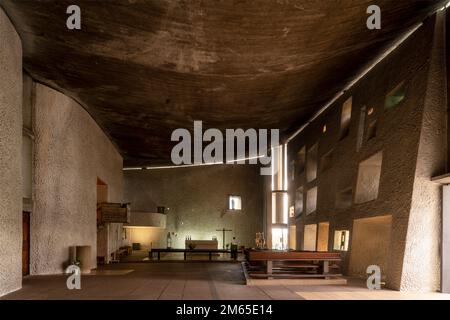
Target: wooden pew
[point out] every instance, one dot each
(299, 264)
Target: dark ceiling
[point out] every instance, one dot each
(144, 68)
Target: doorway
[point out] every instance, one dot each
(25, 243)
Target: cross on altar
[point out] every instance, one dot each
(223, 235)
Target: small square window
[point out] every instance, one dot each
(368, 179)
(311, 200)
(234, 203)
(396, 96)
(310, 237)
(299, 201)
(341, 239)
(346, 115)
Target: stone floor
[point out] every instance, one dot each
(188, 280)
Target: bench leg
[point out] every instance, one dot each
(210, 256)
(159, 255)
(269, 266)
(326, 268)
(185, 255)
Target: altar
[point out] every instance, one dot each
(201, 244)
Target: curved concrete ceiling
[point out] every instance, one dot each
(144, 68)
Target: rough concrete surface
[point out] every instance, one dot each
(421, 265)
(71, 151)
(410, 137)
(196, 200)
(10, 157)
(156, 65)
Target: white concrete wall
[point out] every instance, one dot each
(10, 157)
(71, 151)
(421, 264)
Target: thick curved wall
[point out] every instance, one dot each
(71, 151)
(10, 157)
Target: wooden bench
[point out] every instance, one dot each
(186, 251)
(286, 263)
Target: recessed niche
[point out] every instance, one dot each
(368, 178)
(311, 200)
(372, 129)
(395, 96)
(322, 236)
(299, 201)
(344, 198)
(346, 116)
(292, 170)
(326, 161)
(301, 159)
(370, 244)
(361, 126)
(309, 237)
(311, 163)
(341, 239)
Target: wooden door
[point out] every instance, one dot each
(26, 244)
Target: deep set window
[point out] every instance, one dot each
(311, 200)
(368, 182)
(299, 201)
(395, 96)
(311, 163)
(346, 116)
(234, 203)
(341, 239)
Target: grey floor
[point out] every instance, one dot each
(163, 280)
(194, 280)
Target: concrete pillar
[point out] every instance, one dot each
(421, 263)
